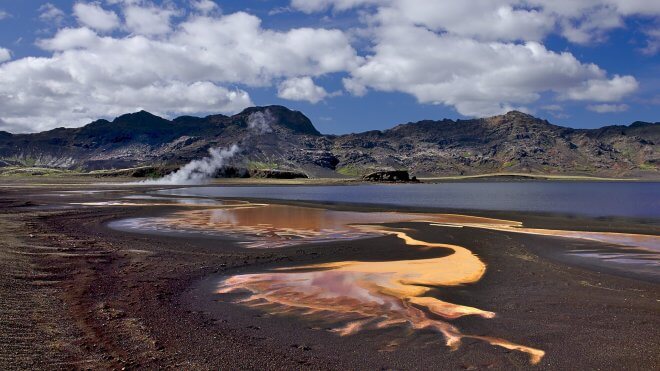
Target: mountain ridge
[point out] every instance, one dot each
(514, 141)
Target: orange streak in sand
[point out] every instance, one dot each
(375, 294)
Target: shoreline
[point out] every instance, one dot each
(139, 301)
(339, 180)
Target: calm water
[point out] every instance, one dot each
(586, 198)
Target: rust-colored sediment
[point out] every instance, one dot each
(375, 294)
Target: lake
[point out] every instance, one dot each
(626, 199)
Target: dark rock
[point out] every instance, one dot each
(326, 160)
(232, 172)
(389, 176)
(277, 174)
(139, 172)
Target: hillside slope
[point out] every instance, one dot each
(514, 142)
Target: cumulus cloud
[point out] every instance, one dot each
(482, 19)
(301, 89)
(653, 42)
(483, 57)
(601, 90)
(5, 55)
(204, 6)
(94, 16)
(591, 27)
(148, 20)
(580, 21)
(70, 38)
(194, 68)
(607, 108)
(51, 14)
(478, 78)
(311, 6)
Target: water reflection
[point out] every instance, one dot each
(360, 295)
(142, 200)
(271, 226)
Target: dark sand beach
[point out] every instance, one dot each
(78, 294)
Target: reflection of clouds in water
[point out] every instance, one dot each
(269, 226)
(179, 200)
(223, 217)
(643, 259)
(374, 295)
(145, 200)
(651, 243)
(284, 225)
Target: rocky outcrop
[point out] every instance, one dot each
(396, 176)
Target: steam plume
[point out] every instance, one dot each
(260, 122)
(197, 171)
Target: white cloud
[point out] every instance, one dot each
(602, 90)
(591, 26)
(580, 21)
(235, 48)
(481, 57)
(467, 54)
(188, 70)
(476, 78)
(311, 6)
(301, 89)
(5, 55)
(94, 16)
(51, 14)
(482, 19)
(4, 14)
(653, 42)
(607, 108)
(70, 38)
(148, 20)
(204, 6)
(354, 87)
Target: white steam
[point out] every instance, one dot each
(197, 171)
(260, 122)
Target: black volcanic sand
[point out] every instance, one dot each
(76, 294)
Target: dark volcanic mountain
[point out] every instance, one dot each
(514, 142)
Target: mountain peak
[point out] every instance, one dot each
(515, 118)
(518, 114)
(282, 116)
(139, 116)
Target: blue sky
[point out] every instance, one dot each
(350, 65)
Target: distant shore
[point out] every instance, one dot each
(81, 295)
(55, 176)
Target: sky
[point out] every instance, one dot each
(349, 65)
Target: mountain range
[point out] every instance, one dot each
(279, 138)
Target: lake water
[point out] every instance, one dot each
(627, 199)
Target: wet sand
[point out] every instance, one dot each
(79, 294)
